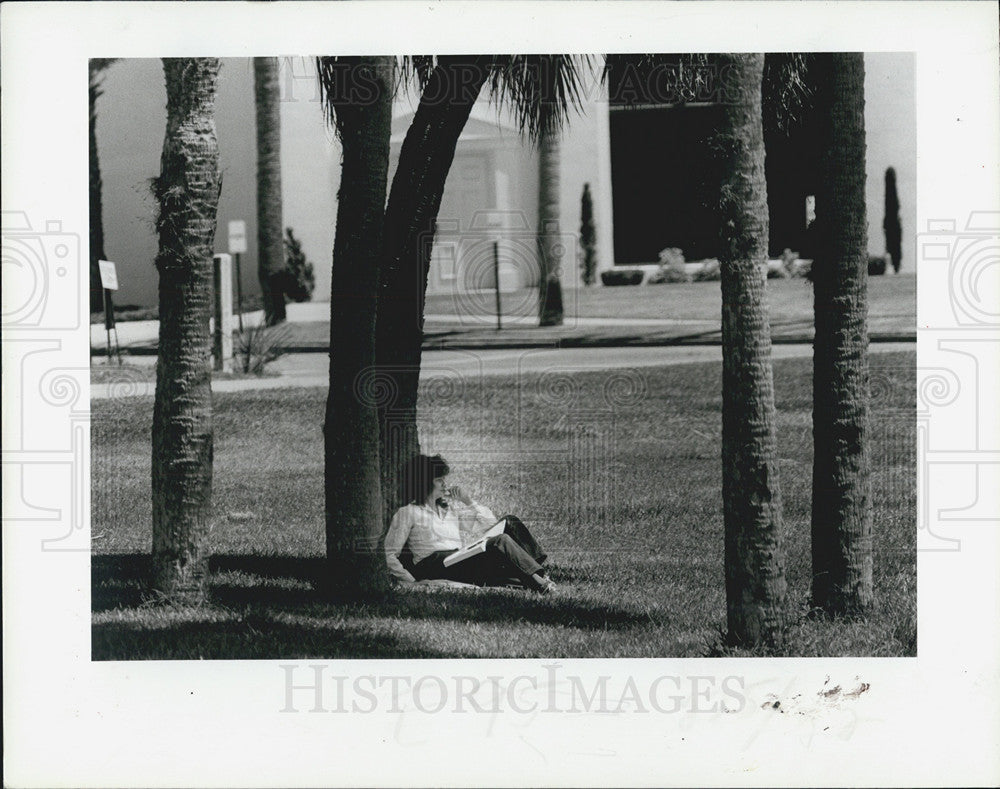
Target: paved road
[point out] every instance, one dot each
(311, 369)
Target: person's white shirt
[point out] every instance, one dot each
(426, 529)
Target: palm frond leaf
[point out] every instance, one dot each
(346, 82)
(786, 93)
(539, 90)
(416, 69)
(660, 79)
(96, 68)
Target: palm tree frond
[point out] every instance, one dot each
(787, 96)
(96, 68)
(540, 90)
(661, 79)
(345, 82)
(416, 69)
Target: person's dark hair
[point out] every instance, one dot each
(419, 476)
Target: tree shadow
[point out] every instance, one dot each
(250, 637)
(266, 594)
(119, 580)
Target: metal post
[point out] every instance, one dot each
(222, 345)
(496, 274)
(239, 293)
(109, 319)
(217, 360)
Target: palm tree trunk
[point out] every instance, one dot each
(187, 190)
(754, 557)
(351, 431)
(414, 200)
(270, 246)
(550, 241)
(841, 510)
(97, 67)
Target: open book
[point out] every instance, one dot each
(476, 548)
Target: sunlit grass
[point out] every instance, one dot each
(621, 486)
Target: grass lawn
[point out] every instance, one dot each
(789, 300)
(618, 477)
(892, 308)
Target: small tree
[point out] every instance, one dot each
(588, 237)
(301, 280)
(891, 224)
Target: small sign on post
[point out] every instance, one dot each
(237, 237)
(237, 246)
(109, 281)
(109, 275)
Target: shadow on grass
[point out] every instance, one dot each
(254, 601)
(250, 638)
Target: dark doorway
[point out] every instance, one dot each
(791, 167)
(665, 181)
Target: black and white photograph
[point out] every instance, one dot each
(591, 373)
(518, 396)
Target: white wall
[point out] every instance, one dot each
(310, 168)
(891, 132)
(586, 158)
(130, 127)
(131, 120)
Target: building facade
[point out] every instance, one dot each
(649, 169)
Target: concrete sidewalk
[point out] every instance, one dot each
(308, 332)
(470, 366)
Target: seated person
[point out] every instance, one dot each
(439, 520)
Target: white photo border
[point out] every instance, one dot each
(930, 720)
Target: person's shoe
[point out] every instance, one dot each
(547, 586)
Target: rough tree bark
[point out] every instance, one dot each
(841, 508)
(187, 190)
(550, 241)
(354, 520)
(754, 557)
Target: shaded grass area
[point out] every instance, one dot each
(616, 472)
(114, 373)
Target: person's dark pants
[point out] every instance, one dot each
(510, 558)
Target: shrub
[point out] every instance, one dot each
(890, 223)
(876, 265)
(256, 346)
(777, 272)
(613, 277)
(710, 271)
(301, 280)
(793, 265)
(671, 268)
